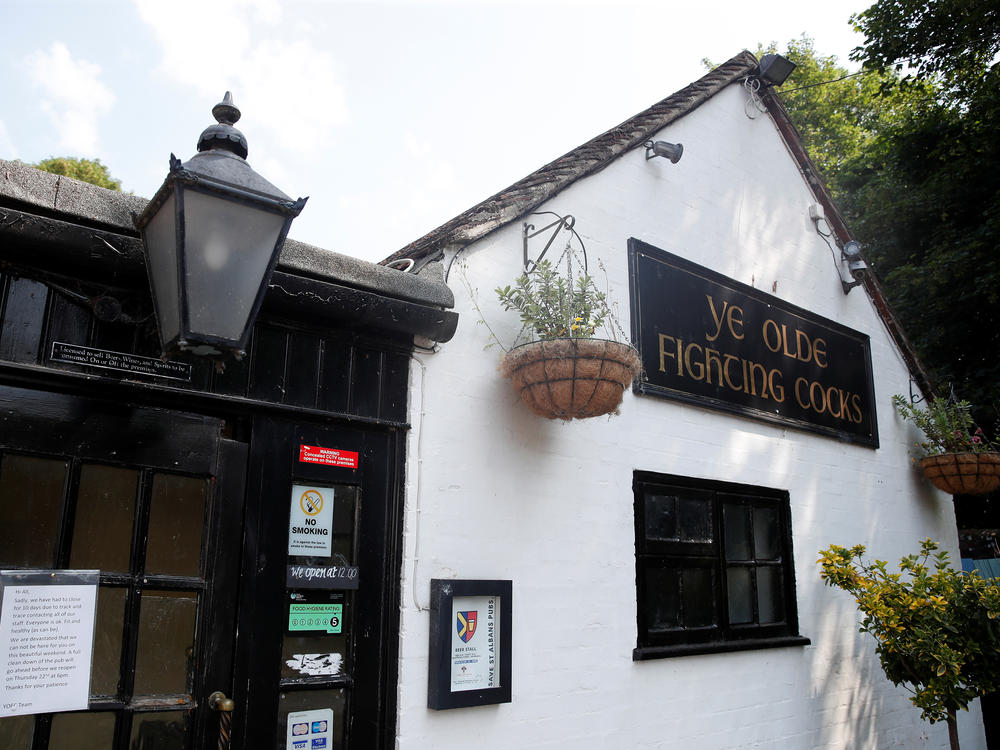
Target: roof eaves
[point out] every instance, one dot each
(542, 184)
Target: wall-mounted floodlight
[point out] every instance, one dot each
(774, 70)
(856, 267)
(672, 151)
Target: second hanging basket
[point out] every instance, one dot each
(571, 378)
(963, 473)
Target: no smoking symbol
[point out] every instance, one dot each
(311, 502)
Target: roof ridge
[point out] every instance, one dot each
(586, 159)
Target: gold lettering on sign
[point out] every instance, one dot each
(716, 367)
(799, 346)
(733, 316)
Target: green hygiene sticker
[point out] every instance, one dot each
(315, 617)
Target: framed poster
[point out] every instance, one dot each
(470, 639)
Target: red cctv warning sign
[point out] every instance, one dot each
(314, 454)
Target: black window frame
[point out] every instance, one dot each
(716, 633)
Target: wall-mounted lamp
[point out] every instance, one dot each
(856, 267)
(672, 151)
(850, 266)
(774, 70)
(212, 235)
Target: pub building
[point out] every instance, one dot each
(327, 520)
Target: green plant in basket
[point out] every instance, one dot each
(555, 305)
(948, 426)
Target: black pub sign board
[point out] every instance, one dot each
(715, 342)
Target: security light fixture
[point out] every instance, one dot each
(856, 267)
(851, 250)
(774, 69)
(212, 235)
(672, 151)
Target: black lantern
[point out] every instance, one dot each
(212, 235)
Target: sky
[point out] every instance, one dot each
(392, 117)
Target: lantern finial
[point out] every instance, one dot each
(225, 112)
(223, 136)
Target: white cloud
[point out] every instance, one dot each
(290, 86)
(7, 148)
(72, 96)
(426, 195)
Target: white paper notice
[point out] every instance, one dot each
(475, 644)
(46, 644)
(310, 524)
(310, 730)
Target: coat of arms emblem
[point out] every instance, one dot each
(466, 625)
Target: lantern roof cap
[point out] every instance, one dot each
(223, 136)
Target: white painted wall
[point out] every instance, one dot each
(495, 492)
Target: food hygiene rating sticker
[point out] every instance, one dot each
(310, 523)
(326, 617)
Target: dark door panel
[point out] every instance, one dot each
(154, 500)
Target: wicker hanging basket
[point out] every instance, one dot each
(571, 378)
(963, 473)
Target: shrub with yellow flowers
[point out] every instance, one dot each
(937, 629)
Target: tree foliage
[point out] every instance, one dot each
(936, 628)
(88, 170)
(930, 210)
(954, 42)
(908, 148)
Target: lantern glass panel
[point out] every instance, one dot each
(228, 248)
(161, 252)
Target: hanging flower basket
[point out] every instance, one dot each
(571, 378)
(963, 473)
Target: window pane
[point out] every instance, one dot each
(108, 641)
(661, 517)
(82, 731)
(31, 491)
(344, 511)
(16, 732)
(313, 700)
(740, 595)
(166, 642)
(769, 598)
(176, 523)
(102, 531)
(737, 524)
(663, 598)
(699, 597)
(765, 534)
(694, 519)
(159, 731)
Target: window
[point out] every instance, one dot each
(714, 567)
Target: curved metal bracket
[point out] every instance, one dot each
(561, 223)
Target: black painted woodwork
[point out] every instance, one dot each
(288, 363)
(53, 425)
(693, 546)
(306, 379)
